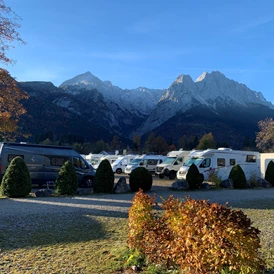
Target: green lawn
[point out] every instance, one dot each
(78, 243)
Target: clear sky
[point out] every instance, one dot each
(145, 43)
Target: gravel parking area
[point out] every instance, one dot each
(118, 204)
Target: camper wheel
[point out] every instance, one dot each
(118, 170)
(172, 175)
(87, 182)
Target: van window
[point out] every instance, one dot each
(232, 162)
(220, 161)
(205, 163)
(79, 162)
(180, 161)
(58, 161)
(251, 158)
(150, 162)
(12, 156)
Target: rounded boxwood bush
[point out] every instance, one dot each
(16, 181)
(269, 173)
(140, 177)
(66, 182)
(104, 178)
(193, 177)
(238, 177)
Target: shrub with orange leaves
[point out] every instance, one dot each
(196, 236)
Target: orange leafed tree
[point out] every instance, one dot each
(10, 94)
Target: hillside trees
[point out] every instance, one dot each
(10, 94)
(265, 137)
(207, 141)
(156, 144)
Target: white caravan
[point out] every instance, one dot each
(147, 161)
(265, 159)
(94, 159)
(221, 161)
(172, 163)
(120, 164)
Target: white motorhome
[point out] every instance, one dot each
(174, 160)
(265, 159)
(147, 161)
(110, 158)
(120, 164)
(221, 161)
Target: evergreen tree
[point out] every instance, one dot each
(67, 181)
(16, 181)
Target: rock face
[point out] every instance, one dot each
(180, 185)
(121, 186)
(100, 110)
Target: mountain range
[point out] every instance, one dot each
(94, 109)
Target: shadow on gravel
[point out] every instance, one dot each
(54, 228)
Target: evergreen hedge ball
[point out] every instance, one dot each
(104, 178)
(269, 173)
(66, 182)
(16, 181)
(238, 177)
(193, 177)
(140, 177)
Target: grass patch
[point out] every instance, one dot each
(81, 243)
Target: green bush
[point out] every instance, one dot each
(269, 173)
(193, 177)
(66, 182)
(194, 236)
(16, 181)
(140, 177)
(104, 178)
(238, 177)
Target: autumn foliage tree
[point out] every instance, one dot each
(10, 107)
(10, 94)
(265, 137)
(207, 141)
(9, 23)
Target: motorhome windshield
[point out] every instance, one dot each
(169, 160)
(117, 161)
(136, 161)
(191, 161)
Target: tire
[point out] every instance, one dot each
(118, 170)
(161, 176)
(172, 175)
(87, 182)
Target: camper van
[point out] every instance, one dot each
(221, 161)
(94, 159)
(120, 164)
(172, 163)
(44, 162)
(147, 161)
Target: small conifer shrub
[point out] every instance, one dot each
(238, 177)
(193, 177)
(269, 173)
(140, 178)
(66, 182)
(16, 181)
(104, 178)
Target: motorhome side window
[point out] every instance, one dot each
(251, 158)
(58, 161)
(150, 162)
(220, 161)
(12, 156)
(232, 162)
(179, 161)
(206, 162)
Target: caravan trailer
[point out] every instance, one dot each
(221, 161)
(172, 163)
(44, 162)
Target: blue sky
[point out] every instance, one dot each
(146, 42)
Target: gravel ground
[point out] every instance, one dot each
(118, 204)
